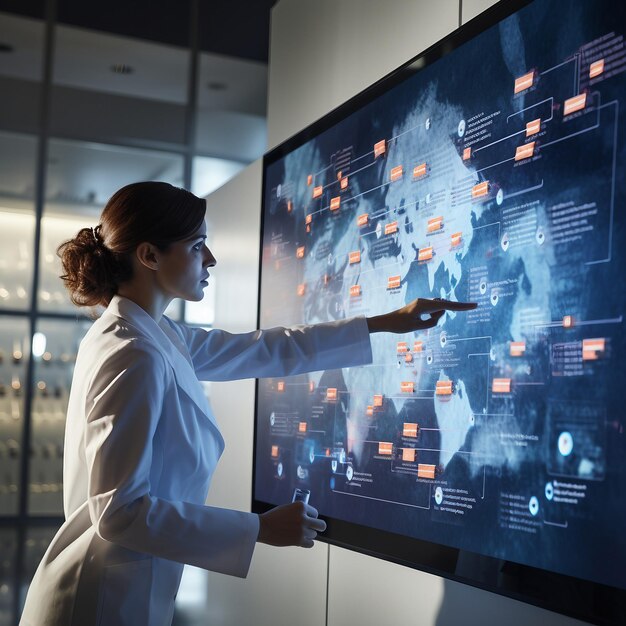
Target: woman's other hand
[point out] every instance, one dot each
(294, 524)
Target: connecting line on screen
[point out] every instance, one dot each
(414, 506)
(336, 182)
(608, 259)
(519, 132)
(550, 69)
(584, 130)
(559, 324)
(563, 525)
(532, 106)
(523, 191)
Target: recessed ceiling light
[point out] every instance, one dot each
(122, 68)
(5, 47)
(217, 86)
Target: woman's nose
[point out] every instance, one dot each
(210, 259)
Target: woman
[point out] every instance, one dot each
(141, 442)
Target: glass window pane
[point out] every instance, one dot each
(37, 542)
(21, 67)
(55, 346)
(17, 221)
(113, 88)
(81, 179)
(8, 550)
(14, 353)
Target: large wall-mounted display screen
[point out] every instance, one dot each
(491, 170)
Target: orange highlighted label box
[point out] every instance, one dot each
(280, 385)
(317, 191)
(467, 154)
(596, 68)
(362, 220)
(391, 228)
(426, 471)
(419, 170)
(533, 127)
(443, 388)
(378, 400)
(380, 147)
(407, 387)
(524, 82)
(517, 348)
(408, 455)
(501, 385)
(574, 104)
(309, 180)
(355, 290)
(409, 429)
(343, 183)
(393, 282)
(425, 254)
(402, 347)
(331, 393)
(418, 346)
(435, 224)
(455, 239)
(274, 451)
(300, 252)
(334, 203)
(592, 348)
(354, 257)
(525, 151)
(302, 427)
(301, 289)
(482, 189)
(396, 173)
(385, 448)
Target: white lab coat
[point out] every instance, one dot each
(141, 445)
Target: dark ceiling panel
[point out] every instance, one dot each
(238, 28)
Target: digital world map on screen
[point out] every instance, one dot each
(494, 175)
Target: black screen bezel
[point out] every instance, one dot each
(575, 597)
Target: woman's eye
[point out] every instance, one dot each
(197, 247)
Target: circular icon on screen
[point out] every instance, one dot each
(427, 123)
(279, 469)
(279, 189)
(461, 128)
(540, 236)
(311, 455)
(379, 230)
(301, 472)
(482, 287)
(349, 472)
(333, 465)
(494, 297)
(443, 339)
(566, 443)
(429, 358)
(439, 495)
(272, 418)
(533, 506)
(549, 491)
(472, 419)
(499, 197)
(428, 198)
(504, 242)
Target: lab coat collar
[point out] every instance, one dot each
(164, 338)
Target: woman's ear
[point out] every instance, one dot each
(146, 254)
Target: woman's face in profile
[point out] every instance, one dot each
(183, 269)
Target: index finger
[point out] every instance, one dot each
(447, 305)
(310, 510)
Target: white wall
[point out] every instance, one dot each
(322, 53)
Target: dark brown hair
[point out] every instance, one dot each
(99, 259)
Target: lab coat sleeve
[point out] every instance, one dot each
(220, 355)
(123, 407)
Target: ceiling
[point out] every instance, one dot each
(237, 28)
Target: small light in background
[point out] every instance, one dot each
(39, 344)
